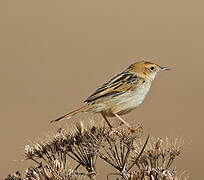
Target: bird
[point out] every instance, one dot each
(121, 94)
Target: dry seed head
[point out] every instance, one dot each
(159, 154)
(58, 165)
(164, 146)
(88, 142)
(32, 174)
(48, 172)
(79, 127)
(29, 152)
(158, 143)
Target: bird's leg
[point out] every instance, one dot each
(109, 124)
(122, 120)
(127, 124)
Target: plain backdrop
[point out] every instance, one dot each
(53, 54)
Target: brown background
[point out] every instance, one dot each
(53, 54)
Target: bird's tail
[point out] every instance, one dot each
(70, 114)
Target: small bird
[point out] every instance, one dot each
(121, 94)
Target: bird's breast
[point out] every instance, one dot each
(129, 101)
(135, 97)
(125, 102)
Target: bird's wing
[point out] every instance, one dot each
(119, 84)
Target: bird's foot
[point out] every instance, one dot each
(135, 129)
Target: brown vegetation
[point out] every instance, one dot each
(70, 156)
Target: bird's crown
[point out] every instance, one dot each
(146, 69)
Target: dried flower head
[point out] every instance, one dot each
(158, 157)
(71, 156)
(116, 150)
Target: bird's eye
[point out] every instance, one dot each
(152, 67)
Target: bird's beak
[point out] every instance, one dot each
(164, 69)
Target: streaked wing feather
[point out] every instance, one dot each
(117, 85)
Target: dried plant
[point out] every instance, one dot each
(71, 156)
(159, 153)
(117, 148)
(157, 158)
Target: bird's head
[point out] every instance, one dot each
(146, 70)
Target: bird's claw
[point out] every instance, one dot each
(137, 129)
